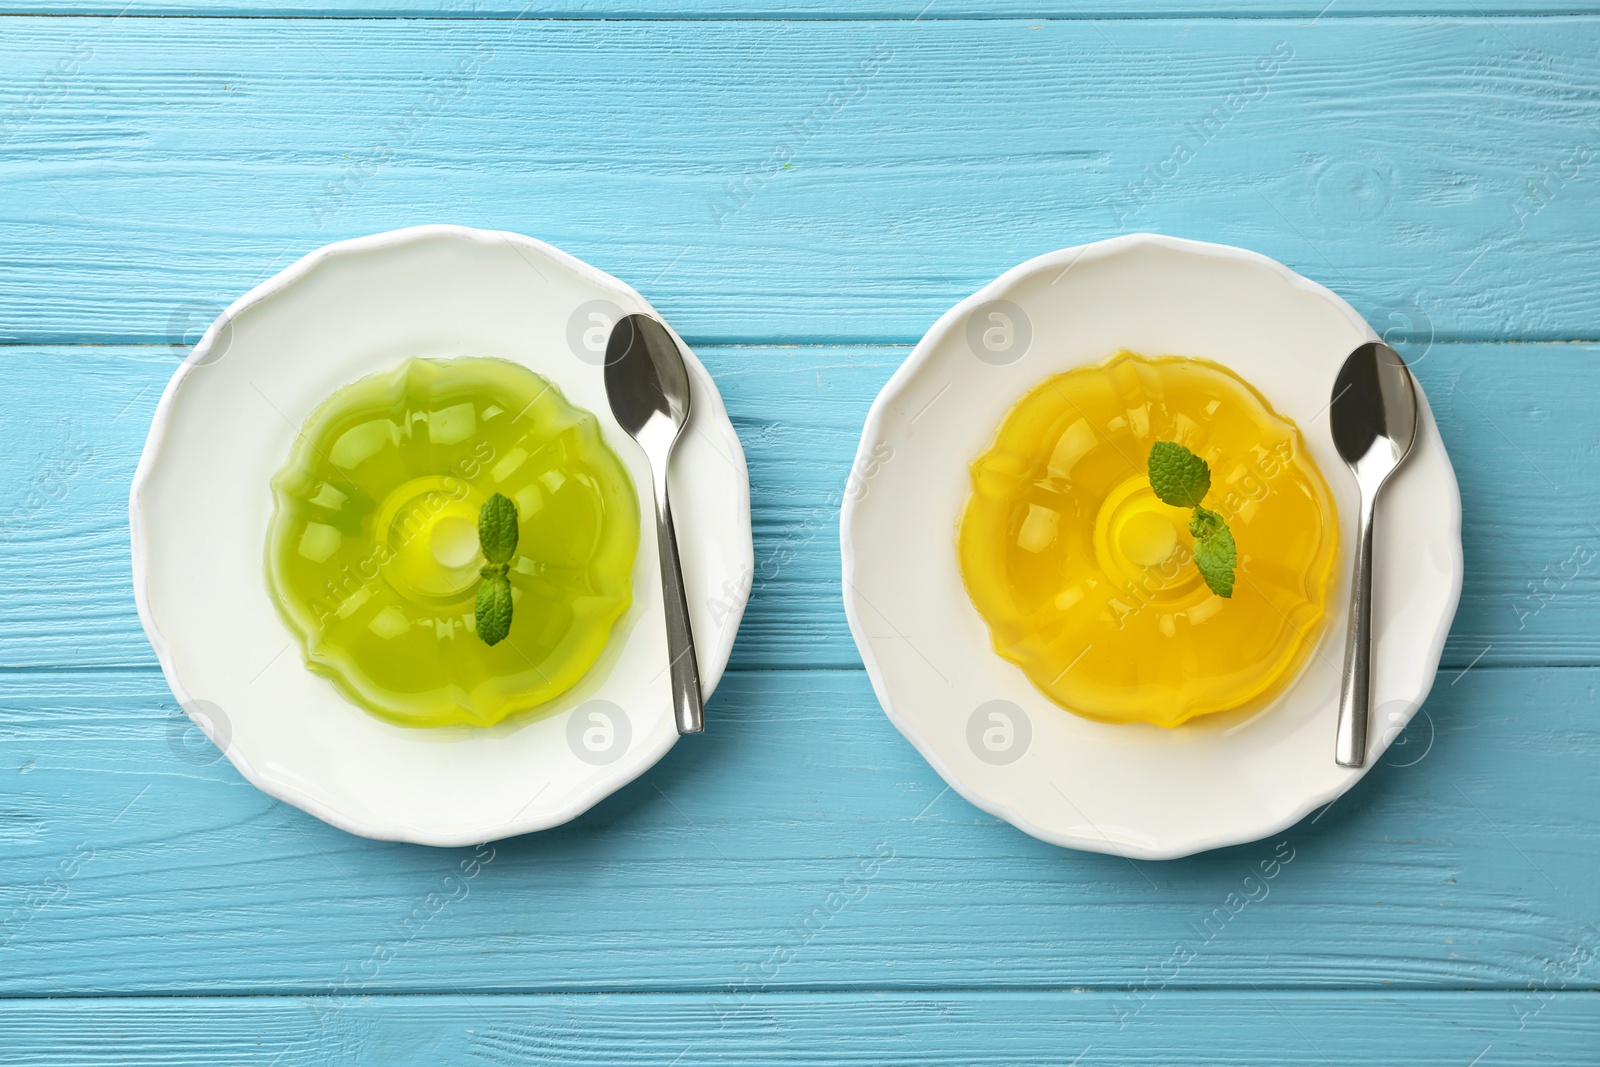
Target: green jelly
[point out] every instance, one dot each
(373, 557)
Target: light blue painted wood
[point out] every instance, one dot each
(921, 10)
(796, 181)
(801, 823)
(1437, 171)
(1245, 1029)
(1519, 422)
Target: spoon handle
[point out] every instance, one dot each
(1355, 692)
(686, 700)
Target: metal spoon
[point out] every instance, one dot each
(1373, 416)
(648, 387)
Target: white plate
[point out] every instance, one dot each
(201, 502)
(1132, 790)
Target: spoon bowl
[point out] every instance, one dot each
(1373, 414)
(646, 381)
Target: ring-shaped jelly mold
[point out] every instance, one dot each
(1086, 580)
(373, 558)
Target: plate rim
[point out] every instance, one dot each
(153, 450)
(871, 432)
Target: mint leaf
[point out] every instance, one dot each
(494, 605)
(497, 529)
(1178, 476)
(497, 538)
(1182, 479)
(1216, 557)
(1204, 523)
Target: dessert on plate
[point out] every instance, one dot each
(425, 506)
(1150, 542)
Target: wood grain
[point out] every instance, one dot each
(833, 10)
(959, 1029)
(795, 181)
(1531, 530)
(800, 844)
(803, 198)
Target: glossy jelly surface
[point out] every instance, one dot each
(373, 557)
(1087, 581)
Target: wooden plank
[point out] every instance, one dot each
(958, 1028)
(853, 184)
(833, 10)
(1513, 418)
(800, 844)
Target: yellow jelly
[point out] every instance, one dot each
(373, 558)
(1086, 580)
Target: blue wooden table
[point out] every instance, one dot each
(802, 186)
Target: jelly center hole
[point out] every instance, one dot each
(1147, 538)
(453, 541)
